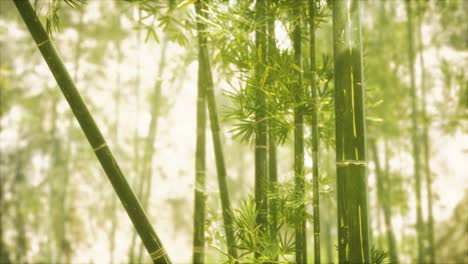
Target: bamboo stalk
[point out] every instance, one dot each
(261, 136)
(384, 205)
(198, 250)
(20, 214)
(93, 134)
(272, 156)
(426, 147)
(55, 161)
(216, 137)
(299, 177)
(351, 161)
(415, 137)
(315, 134)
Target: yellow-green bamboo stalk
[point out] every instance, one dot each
(415, 132)
(93, 134)
(204, 63)
(198, 250)
(315, 134)
(351, 162)
(299, 177)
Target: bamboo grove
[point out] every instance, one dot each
(257, 131)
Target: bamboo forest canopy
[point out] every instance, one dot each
(241, 131)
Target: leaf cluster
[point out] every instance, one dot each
(252, 240)
(52, 18)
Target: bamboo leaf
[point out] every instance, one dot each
(374, 119)
(297, 68)
(186, 3)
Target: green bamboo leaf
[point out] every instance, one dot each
(297, 68)
(379, 102)
(264, 77)
(374, 119)
(151, 33)
(186, 3)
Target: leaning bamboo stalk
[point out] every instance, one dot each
(93, 134)
(216, 137)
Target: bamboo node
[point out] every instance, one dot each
(96, 149)
(158, 254)
(260, 146)
(346, 163)
(199, 249)
(42, 43)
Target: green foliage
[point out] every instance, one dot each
(156, 16)
(378, 256)
(452, 119)
(52, 19)
(252, 241)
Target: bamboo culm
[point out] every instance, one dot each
(218, 150)
(351, 163)
(315, 134)
(379, 174)
(272, 149)
(93, 134)
(299, 177)
(426, 149)
(261, 182)
(415, 137)
(198, 250)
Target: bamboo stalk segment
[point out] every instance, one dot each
(93, 134)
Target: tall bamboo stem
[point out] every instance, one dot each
(216, 137)
(261, 166)
(272, 149)
(415, 132)
(315, 134)
(93, 134)
(383, 204)
(299, 177)
(351, 161)
(198, 249)
(426, 147)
